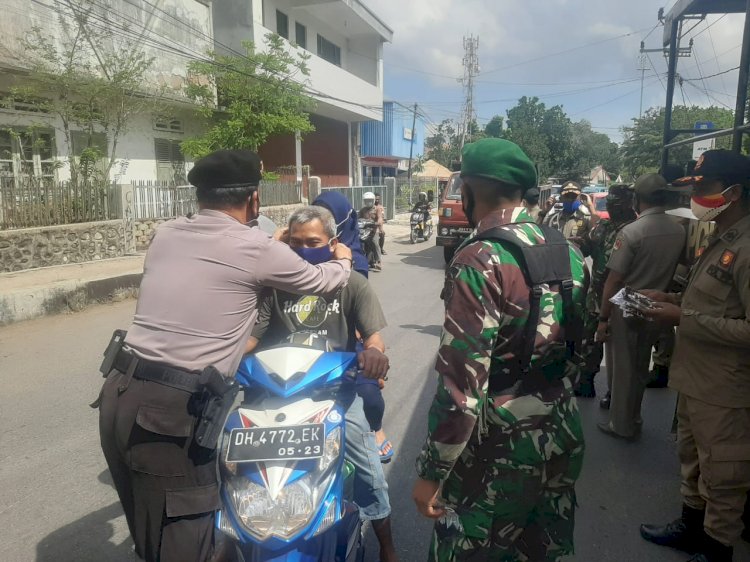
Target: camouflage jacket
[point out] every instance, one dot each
(598, 244)
(486, 307)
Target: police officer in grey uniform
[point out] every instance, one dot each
(644, 256)
(711, 366)
(197, 306)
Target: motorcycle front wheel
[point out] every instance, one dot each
(428, 232)
(413, 235)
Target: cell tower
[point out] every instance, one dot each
(471, 69)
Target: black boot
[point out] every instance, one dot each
(585, 387)
(713, 551)
(685, 533)
(659, 377)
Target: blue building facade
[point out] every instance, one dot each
(384, 144)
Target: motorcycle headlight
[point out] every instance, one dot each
(263, 516)
(331, 450)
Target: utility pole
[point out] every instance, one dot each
(643, 67)
(411, 147)
(471, 69)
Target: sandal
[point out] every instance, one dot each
(385, 458)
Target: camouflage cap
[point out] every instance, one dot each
(498, 159)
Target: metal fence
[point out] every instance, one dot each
(407, 195)
(280, 193)
(32, 202)
(354, 195)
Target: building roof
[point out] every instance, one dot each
(433, 169)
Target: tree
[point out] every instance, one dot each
(249, 98)
(494, 128)
(642, 145)
(444, 145)
(592, 149)
(92, 79)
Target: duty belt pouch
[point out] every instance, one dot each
(216, 401)
(113, 348)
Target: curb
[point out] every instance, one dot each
(65, 297)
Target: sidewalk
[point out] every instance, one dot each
(67, 288)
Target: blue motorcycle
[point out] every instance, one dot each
(284, 477)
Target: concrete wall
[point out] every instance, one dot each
(30, 248)
(144, 232)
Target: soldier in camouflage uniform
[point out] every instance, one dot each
(506, 460)
(598, 244)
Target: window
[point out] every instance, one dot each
(27, 153)
(282, 24)
(329, 51)
(170, 163)
(82, 140)
(300, 35)
(162, 123)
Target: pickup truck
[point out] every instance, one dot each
(453, 227)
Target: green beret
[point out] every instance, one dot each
(498, 159)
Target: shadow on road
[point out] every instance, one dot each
(86, 539)
(432, 330)
(431, 257)
(411, 531)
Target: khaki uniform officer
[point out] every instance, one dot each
(711, 367)
(644, 256)
(197, 306)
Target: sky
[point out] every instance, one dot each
(581, 54)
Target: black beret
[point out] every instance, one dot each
(226, 168)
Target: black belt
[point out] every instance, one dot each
(128, 363)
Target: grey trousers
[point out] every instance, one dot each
(631, 354)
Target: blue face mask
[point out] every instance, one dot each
(571, 206)
(315, 255)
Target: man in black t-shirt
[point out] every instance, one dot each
(312, 234)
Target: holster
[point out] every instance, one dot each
(113, 349)
(215, 402)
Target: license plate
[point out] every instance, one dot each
(290, 442)
(463, 230)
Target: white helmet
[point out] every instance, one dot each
(369, 196)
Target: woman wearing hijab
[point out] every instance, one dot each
(347, 231)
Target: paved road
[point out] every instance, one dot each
(57, 504)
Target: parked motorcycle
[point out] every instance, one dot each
(282, 457)
(368, 231)
(421, 226)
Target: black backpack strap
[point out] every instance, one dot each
(547, 263)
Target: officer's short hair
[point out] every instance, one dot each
(308, 214)
(658, 199)
(224, 197)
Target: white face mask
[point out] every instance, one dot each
(708, 208)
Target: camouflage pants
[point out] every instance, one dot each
(520, 504)
(592, 352)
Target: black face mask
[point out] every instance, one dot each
(468, 204)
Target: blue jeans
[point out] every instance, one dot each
(370, 487)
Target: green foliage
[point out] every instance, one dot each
(642, 145)
(249, 98)
(494, 128)
(91, 78)
(444, 145)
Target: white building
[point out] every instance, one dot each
(345, 40)
(171, 31)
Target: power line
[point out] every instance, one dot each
(558, 53)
